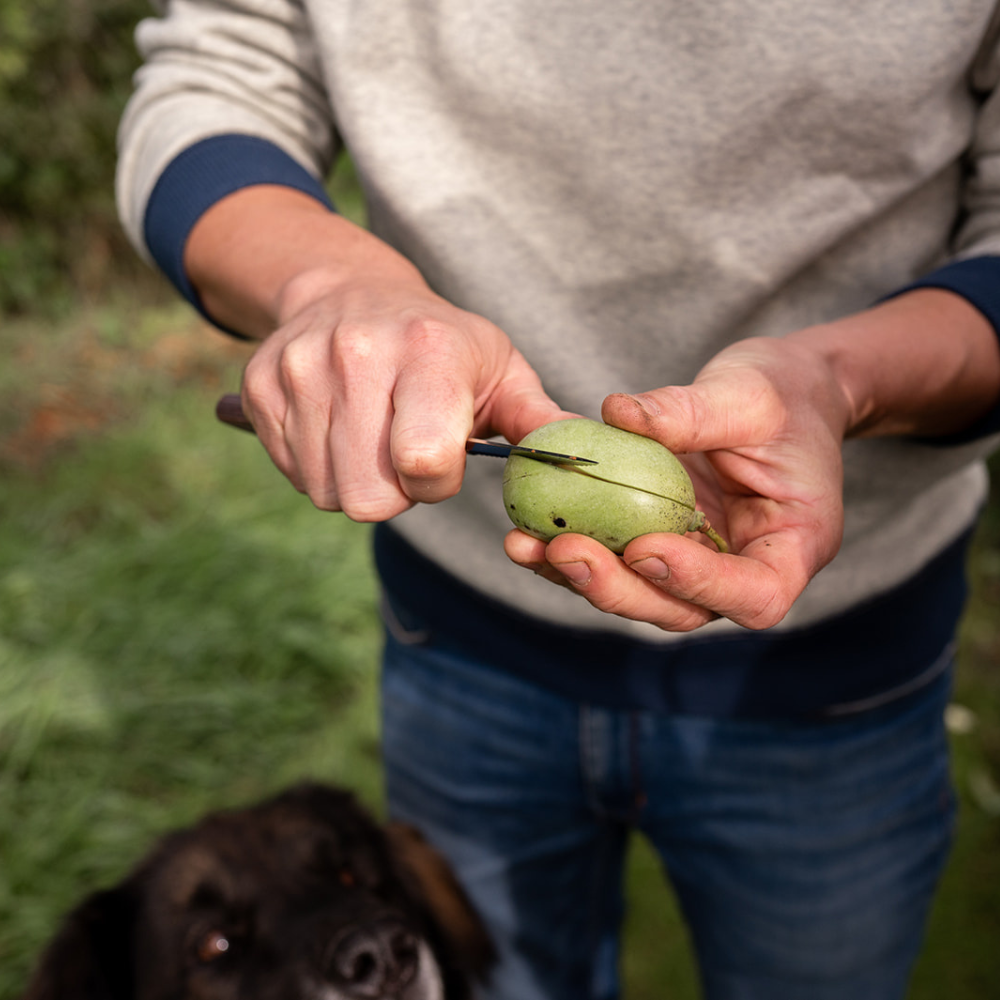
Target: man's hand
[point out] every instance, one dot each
(760, 432)
(367, 384)
(365, 397)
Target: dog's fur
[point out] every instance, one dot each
(302, 897)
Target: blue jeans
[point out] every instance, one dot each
(804, 854)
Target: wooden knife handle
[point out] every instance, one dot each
(229, 410)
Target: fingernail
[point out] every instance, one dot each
(578, 573)
(652, 568)
(648, 404)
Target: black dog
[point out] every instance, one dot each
(303, 897)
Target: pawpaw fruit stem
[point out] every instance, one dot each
(707, 529)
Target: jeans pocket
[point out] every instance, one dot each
(401, 624)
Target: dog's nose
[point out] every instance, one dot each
(373, 961)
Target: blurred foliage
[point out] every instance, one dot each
(179, 629)
(65, 75)
(66, 71)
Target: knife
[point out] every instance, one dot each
(229, 410)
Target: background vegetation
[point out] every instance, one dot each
(179, 629)
(65, 72)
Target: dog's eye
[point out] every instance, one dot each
(346, 877)
(212, 946)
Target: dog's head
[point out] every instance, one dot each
(303, 897)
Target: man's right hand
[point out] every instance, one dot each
(367, 384)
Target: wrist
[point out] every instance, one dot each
(925, 363)
(845, 371)
(260, 255)
(358, 261)
(201, 176)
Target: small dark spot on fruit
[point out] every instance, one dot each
(559, 522)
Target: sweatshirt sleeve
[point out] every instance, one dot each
(196, 179)
(229, 94)
(974, 268)
(976, 279)
(979, 232)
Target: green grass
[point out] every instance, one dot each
(180, 630)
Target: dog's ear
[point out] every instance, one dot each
(90, 958)
(466, 937)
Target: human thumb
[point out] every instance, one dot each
(706, 416)
(520, 403)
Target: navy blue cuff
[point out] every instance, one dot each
(200, 176)
(978, 281)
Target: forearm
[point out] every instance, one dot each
(926, 363)
(259, 254)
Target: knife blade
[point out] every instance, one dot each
(229, 410)
(500, 449)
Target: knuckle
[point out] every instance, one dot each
(689, 622)
(257, 388)
(691, 584)
(613, 603)
(354, 345)
(760, 617)
(321, 493)
(423, 462)
(295, 365)
(426, 332)
(369, 508)
(325, 500)
(685, 408)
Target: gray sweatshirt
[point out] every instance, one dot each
(624, 189)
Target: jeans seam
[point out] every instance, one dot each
(938, 667)
(590, 765)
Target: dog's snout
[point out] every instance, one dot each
(377, 960)
(387, 921)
